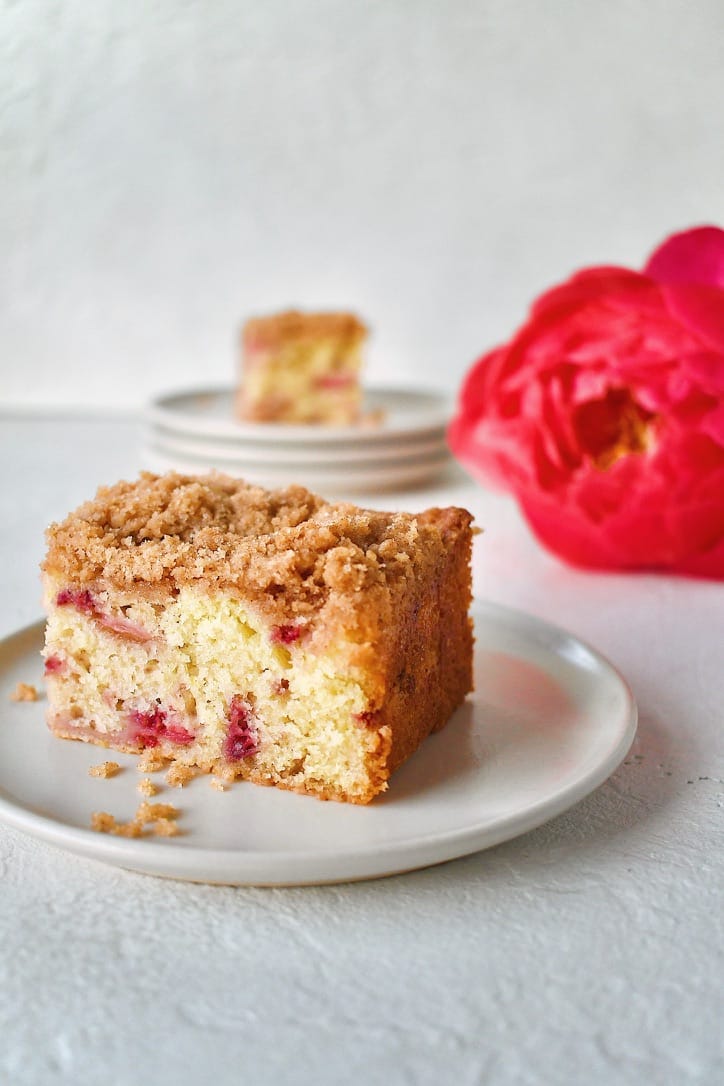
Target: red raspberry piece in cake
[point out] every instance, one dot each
(84, 601)
(81, 599)
(176, 734)
(145, 727)
(241, 740)
(335, 380)
(286, 635)
(151, 727)
(53, 665)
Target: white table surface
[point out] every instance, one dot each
(588, 951)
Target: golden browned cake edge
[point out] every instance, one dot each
(429, 654)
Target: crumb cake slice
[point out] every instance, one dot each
(266, 635)
(301, 368)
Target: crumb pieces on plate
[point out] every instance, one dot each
(104, 770)
(150, 812)
(151, 761)
(159, 819)
(179, 775)
(127, 829)
(102, 822)
(146, 787)
(24, 692)
(166, 827)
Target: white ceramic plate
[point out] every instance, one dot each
(221, 452)
(550, 720)
(328, 477)
(209, 413)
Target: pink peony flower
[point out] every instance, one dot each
(604, 415)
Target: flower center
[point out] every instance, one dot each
(612, 427)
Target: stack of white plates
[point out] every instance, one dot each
(195, 432)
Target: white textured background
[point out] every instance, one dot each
(169, 167)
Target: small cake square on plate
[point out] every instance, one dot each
(267, 635)
(301, 368)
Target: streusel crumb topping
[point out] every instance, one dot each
(216, 532)
(293, 325)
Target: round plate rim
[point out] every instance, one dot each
(423, 851)
(438, 407)
(348, 455)
(392, 477)
(313, 467)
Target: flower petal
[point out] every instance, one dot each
(693, 256)
(590, 284)
(713, 426)
(700, 309)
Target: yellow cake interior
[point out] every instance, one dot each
(306, 383)
(306, 709)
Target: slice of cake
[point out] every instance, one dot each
(301, 368)
(267, 635)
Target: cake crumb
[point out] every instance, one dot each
(103, 822)
(179, 775)
(147, 788)
(24, 692)
(128, 829)
(166, 827)
(151, 761)
(152, 812)
(217, 784)
(104, 770)
(161, 816)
